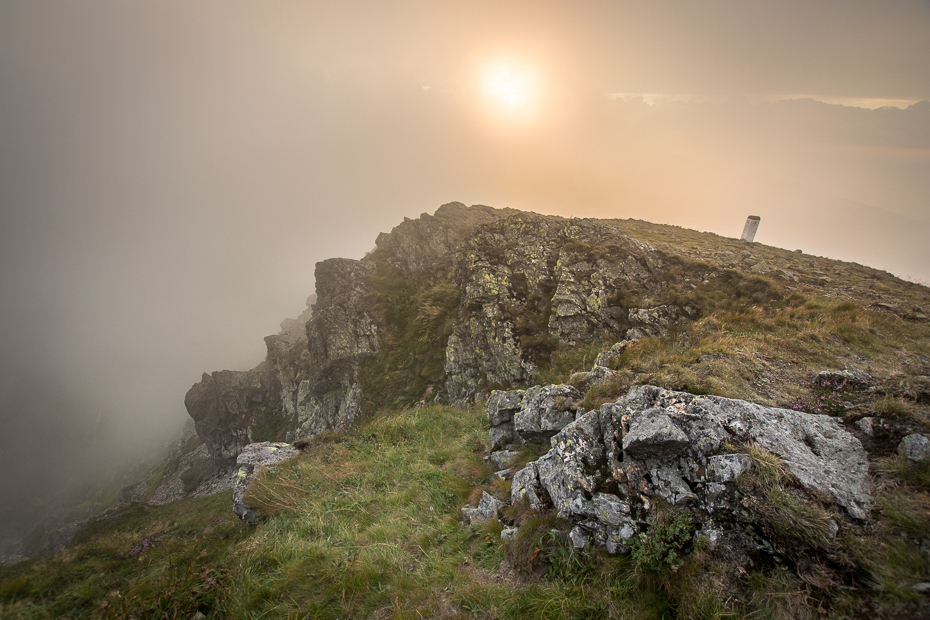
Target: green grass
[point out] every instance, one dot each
(418, 317)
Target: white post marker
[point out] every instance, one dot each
(749, 231)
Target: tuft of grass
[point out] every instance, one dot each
(908, 511)
(767, 469)
(565, 361)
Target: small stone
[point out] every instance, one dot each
(487, 509)
(508, 533)
(710, 535)
(865, 425)
(727, 467)
(579, 538)
(915, 447)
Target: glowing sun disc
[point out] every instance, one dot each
(509, 84)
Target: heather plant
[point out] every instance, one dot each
(829, 397)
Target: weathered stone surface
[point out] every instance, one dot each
(253, 458)
(486, 509)
(656, 321)
(865, 425)
(727, 467)
(595, 376)
(579, 538)
(606, 468)
(545, 411)
(915, 447)
(841, 378)
(515, 271)
(340, 333)
(654, 434)
(417, 246)
(606, 357)
(501, 407)
(526, 485)
(563, 471)
(224, 405)
(500, 459)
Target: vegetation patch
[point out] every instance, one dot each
(418, 317)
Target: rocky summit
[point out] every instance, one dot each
(526, 285)
(497, 413)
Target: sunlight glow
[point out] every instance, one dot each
(510, 85)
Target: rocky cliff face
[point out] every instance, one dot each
(231, 408)
(310, 381)
(531, 283)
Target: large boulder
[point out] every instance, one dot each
(226, 404)
(606, 469)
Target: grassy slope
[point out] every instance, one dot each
(365, 524)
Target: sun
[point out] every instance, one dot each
(510, 85)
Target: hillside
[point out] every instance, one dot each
(408, 388)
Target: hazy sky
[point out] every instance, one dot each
(171, 171)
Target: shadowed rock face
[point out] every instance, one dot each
(340, 333)
(225, 404)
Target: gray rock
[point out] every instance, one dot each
(606, 357)
(508, 533)
(915, 447)
(656, 321)
(526, 485)
(253, 458)
(620, 539)
(654, 434)
(865, 425)
(501, 437)
(545, 411)
(596, 376)
(579, 538)
(563, 471)
(500, 459)
(487, 508)
(833, 378)
(504, 474)
(823, 456)
(606, 468)
(727, 467)
(610, 510)
(502, 405)
(523, 266)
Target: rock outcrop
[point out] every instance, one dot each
(531, 283)
(606, 469)
(253, 458)
(225, 405)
